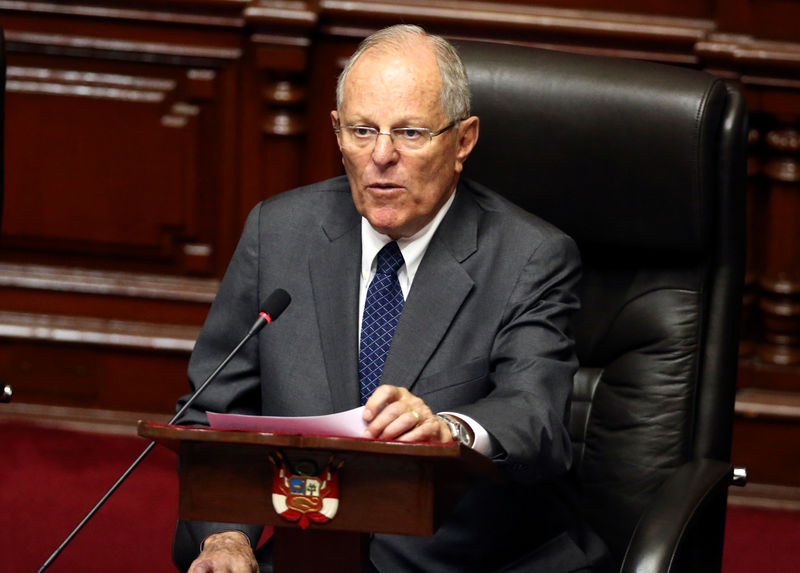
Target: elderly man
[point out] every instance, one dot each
(436, 303)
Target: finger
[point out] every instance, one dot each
(203, 566)
(398, 416)
(385, 417)
(383, 395)
(400, 425)
(403, 417)
(431, 430)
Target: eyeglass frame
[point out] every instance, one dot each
(431, 134)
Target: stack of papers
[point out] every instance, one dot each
(349, 424)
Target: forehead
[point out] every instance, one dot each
(404, 84)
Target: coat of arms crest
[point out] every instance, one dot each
(304, 493)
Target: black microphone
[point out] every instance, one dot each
(272, 307)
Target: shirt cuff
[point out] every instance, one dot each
(482, 443)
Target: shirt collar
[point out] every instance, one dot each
(413, 248)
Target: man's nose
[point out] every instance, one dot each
(384, 151)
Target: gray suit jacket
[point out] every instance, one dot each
(484, 332)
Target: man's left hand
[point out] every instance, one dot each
(394, 413)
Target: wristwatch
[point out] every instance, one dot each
(459, 430)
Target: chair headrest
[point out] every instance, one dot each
(617, 153)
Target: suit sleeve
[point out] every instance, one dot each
(237, 388)
(532, 365)
(189, 536)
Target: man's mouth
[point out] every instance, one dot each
(383, 186)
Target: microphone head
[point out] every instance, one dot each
(276, 303)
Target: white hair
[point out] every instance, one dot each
(455, 95)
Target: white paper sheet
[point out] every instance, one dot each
(347, 424)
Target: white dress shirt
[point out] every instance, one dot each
(413, 249)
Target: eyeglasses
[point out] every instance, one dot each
(403, 138)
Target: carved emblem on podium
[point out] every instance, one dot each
(303, 493)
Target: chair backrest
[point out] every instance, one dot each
(642, 164)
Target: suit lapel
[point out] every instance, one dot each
(436, 295)
(334, 270)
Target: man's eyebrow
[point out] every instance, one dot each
(356, 120)
(359, 120)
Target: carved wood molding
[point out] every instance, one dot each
(297, 15)
(671, 39)
(748, 51)
(93, 331)
(768, 496)
(282, 67)
(754, 403)
(108, 283)
(492, 16)
(280, 43)
(131, 50)
(755, 64)
(688, 41)
(773, 305)
(216, 13)
(780, 281)
(76, 83)
(104, 421)
(664, 37)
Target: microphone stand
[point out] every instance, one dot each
(263, 319)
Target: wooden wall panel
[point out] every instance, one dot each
(94, 376)
(775, 19)
(115, 175)
(121, 206)
(114, 165)
(684, 8)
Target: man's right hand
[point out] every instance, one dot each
(225, 552)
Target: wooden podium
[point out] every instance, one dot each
(384, 487)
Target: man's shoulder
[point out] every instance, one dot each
(305, 205)
(334, 190)
(507, 217)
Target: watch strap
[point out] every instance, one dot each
(457, 429)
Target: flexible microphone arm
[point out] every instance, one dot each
(272, 307)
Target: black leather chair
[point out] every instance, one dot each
(643, 165)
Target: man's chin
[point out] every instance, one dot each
(387, 226)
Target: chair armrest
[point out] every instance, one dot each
(664, 523)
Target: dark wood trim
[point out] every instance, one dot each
(100, 332)
(110, 283)
(765, 496)
(118, 422)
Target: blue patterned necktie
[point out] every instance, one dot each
(382, 309)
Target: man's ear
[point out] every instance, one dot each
(335, 124)
(468, 130)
